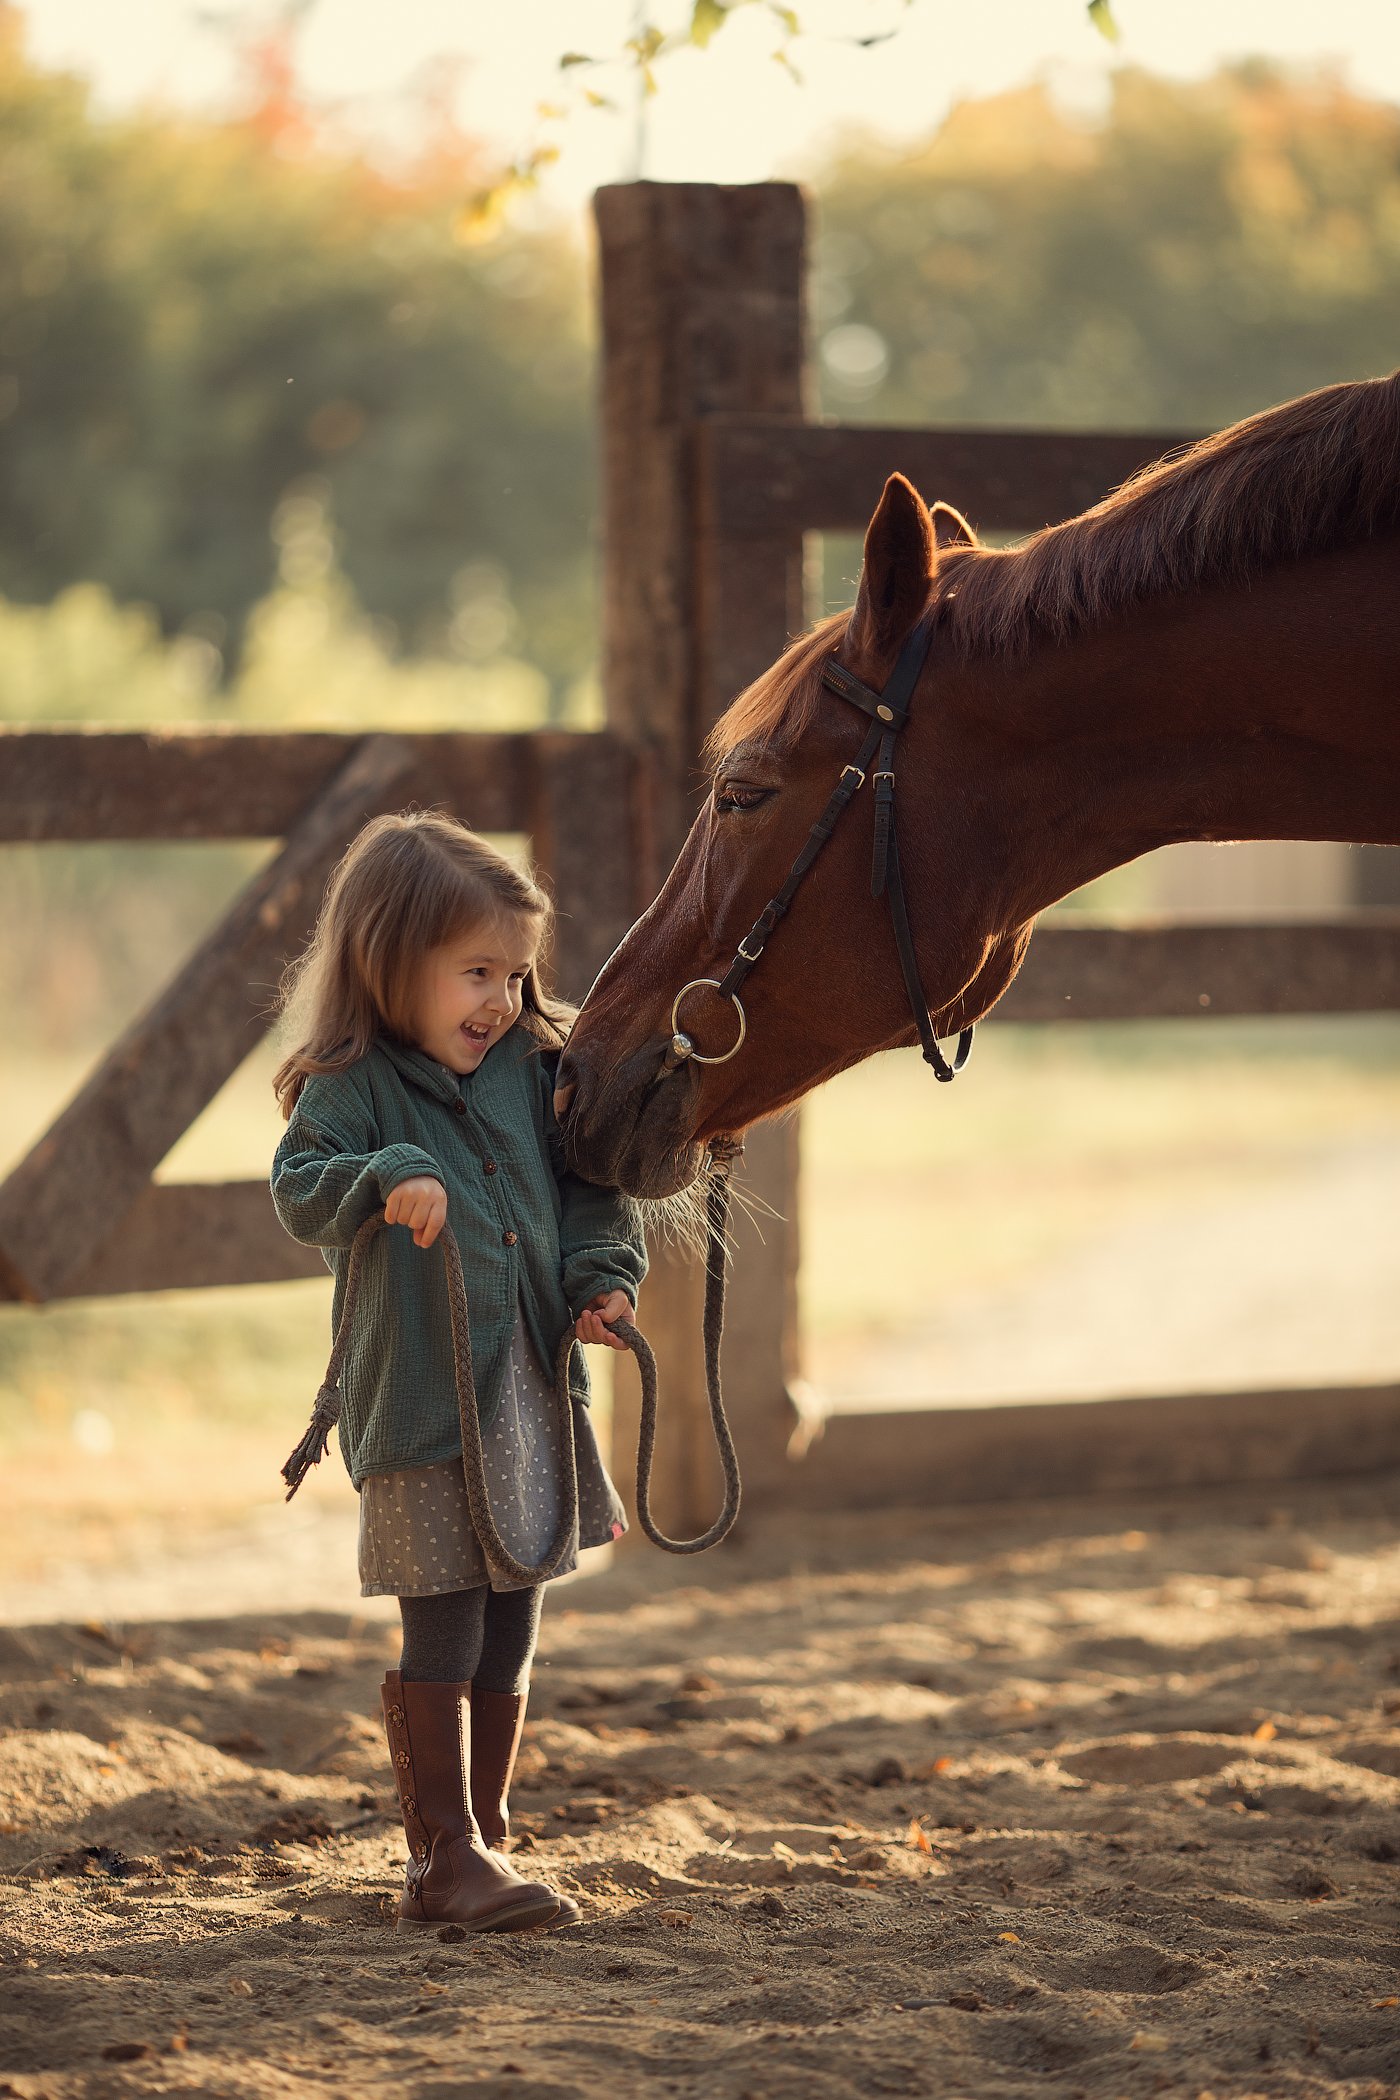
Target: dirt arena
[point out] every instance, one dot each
(1075, 1799)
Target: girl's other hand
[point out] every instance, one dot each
(420, 1203)
(608, 1305)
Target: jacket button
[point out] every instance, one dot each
(490, 1167)
(508, 1239)
(459, 1107)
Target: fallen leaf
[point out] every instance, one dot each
(677, 1918)
(1264, 1733)
(1148, 2043)
(1014, 1938)
(919, 1836)
(943, 1764)
(239, 1987)
(1381, 2003)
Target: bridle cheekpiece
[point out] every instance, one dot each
(888, 712)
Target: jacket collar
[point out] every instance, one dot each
(420, 1070)
(436, 1080)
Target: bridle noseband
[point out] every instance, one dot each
(888, 712)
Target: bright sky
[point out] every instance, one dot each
(729, 114)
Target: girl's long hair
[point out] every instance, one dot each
(407, 885)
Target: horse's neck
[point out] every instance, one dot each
(1272, 712)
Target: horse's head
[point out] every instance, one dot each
(828, 990)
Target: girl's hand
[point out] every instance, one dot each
(420, 1203)
(608, 1305)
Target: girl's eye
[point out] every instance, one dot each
(733, 795)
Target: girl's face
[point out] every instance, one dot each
(470, 991)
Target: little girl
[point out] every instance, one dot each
(423, 1083)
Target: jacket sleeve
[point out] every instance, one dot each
(329, 1173)
(601, 1239)
(600, 1231)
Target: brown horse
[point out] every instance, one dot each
(1213, 652)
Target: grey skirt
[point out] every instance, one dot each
(417, 1538)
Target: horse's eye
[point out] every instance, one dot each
(731, 795)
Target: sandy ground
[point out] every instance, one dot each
(1071, 1799)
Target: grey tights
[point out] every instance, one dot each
(477, 1636)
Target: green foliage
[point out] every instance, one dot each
(1206, 249)
(1101, 15)
(312, 655)
(196, 317)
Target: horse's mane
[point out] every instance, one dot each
(1314, 474)
(786, 693)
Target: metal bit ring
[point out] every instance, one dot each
(682, 1048)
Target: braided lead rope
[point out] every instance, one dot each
(326, 1413)
(717, 1210)
(473, 1459)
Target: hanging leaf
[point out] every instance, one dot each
(481, 218)
(707, 17)
(787, 16)
(575, 58)
(1101, 15)
(645, 45)
(597, 101)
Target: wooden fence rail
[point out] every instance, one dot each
(766, 477)
(247, 784)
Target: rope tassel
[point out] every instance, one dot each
(317, 1440)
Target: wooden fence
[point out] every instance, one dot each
(712, 476)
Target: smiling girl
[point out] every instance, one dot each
(423, 1084)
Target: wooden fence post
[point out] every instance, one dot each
(702, 315)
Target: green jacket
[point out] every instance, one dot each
(532, 1234)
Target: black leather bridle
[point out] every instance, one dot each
(888, 712)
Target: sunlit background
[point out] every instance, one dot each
(296, 357)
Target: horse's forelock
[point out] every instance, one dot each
(784, 697)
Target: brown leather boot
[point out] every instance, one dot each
(452, 1878)
(498, 1721)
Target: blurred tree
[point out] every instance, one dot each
(1197, 252)
(196, 317)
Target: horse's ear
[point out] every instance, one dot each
(950, 527)
(901, 555)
